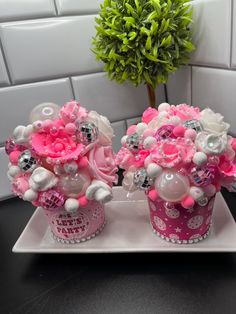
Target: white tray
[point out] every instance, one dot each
(128, 230)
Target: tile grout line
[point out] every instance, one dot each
(72, 89)
(191, 85)
(6, 64)
(215, 67)
(55, 5)
(231, 34)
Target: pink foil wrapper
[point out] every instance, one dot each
(179, 225)
(83, 225)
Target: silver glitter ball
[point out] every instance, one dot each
(133, 142)
(141, 180)
(88, 133)
(193, 124)
(26, 161)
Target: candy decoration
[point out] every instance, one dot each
(51, 199)
(193, 124)
(133, 142)
(164, 132)
(88, 133)
(141, 179)
(202, 175)
(26, 161)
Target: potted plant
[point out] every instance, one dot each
(143, 41)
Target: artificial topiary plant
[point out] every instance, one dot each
(143, 41)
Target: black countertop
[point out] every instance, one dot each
(111, 283)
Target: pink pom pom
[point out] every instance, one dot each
(179, 131)
(83, 162)
(70, 128)
(148, 132)
(14, 157)
(131, 130)
(233, 144)
(153, 195)
(187, 202)
(190, 134)
(83, 201)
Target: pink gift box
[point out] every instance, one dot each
(176, 224)
(76, 227)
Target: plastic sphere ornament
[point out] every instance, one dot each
(172, 186)
(74, 185)
(141, 180)
(26, 161)
(133, 142)
(88, 133)
(203, 175)
(51, 200)
(164, 132)
(199, 158)
(44, 111)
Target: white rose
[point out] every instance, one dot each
(104, 127)
(211, 144)
(213, 122)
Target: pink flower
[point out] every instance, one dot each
(173, 152)
(102, 162)
(149, 114)
(20, 184)
(72, 111)
(58, 148)
(184, 112)
(125, 159)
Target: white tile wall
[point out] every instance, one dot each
(49, 48)
(16, 102)
(5, 190)
(3, 73)
(21, 9)
(132, 121)
(212, 32)
(215, 88)
(119, 130)
(234, 35)
(179, 86)
(78, 6)
(115, 101)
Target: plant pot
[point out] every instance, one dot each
(176, 224)
(76, 227)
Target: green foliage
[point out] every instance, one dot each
(143, 40)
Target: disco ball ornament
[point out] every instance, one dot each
(164, 132)
(51, 200)
(26, 161)
(133, 142)
(141, 180)
(44, 111)
(88, 133)
(11, 146)
(74, 185)
(172, 186)
(203, 175)
(193, 124)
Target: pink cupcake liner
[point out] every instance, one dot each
(179, 225)
(76, 227)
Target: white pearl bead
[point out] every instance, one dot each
(199, 158)
(123, 139)
(71, 205)
(196, 192)
(14, 171)
(30, 195)
(44, 111)
(149, 142)
(140, 128)
(163, 106)
(153, 170)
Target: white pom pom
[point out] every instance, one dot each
(199, 158)
(28, 131)
(149, 142)
(14, 171)
(175, 120)
(123, 140)
(162, 115)
(196, 192)
(30, 195)
(141, 127)
(71, 205)
(153, 170)
(163, 106)
(18, 134)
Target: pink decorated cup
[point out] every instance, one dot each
(76, 227)
(176, 224)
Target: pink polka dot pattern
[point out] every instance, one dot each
(177, 224)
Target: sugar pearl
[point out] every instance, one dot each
(71, 205)
(153, 170)
(141, 127)
(196, 192)
(30, 195)
(163, 106)
(175, 120)
(149, 142)
(83, 201)
(199, 158)
(190, 134)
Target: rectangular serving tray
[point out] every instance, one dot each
(128, 230)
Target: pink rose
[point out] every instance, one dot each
(102, 162)
(72, 111)
(184, 112)
(149, 114)
(173, 152)
(125, 159)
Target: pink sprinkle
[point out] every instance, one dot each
(188, 202)
(131, 130)
(179, 131)
(14, 157)
(153, 195)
